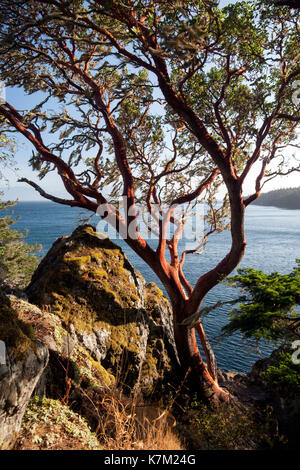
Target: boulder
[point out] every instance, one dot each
(100, 316)
(22, 361)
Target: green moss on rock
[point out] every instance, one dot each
(16, 334)
(86, 281)
(154, 300)
(90, 371)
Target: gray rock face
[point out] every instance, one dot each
(17, 382)
(25, 360)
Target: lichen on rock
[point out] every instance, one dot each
(49, 424)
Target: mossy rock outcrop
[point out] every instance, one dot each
(101, 316)
(22, 361)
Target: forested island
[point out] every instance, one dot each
(287, 198)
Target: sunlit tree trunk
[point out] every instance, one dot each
(202, 375)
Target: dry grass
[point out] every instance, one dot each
(129, 425)
(159, 436)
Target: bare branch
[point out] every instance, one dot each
(66, 202)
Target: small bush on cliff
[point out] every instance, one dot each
(283, 374)
(267, 310)
(228, 427)
(17, 259)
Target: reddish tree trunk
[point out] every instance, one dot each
(201, 376)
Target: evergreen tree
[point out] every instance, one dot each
(17, 261)
(269, 310)
(268, 305)
(17, 258)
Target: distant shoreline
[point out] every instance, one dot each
(288, 198)
(254, 203)
(276, 206)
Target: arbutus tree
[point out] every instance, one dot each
(161, 103)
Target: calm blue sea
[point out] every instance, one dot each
(273, 244)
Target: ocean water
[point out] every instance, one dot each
(273, 244)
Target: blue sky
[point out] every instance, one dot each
(51, 183)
